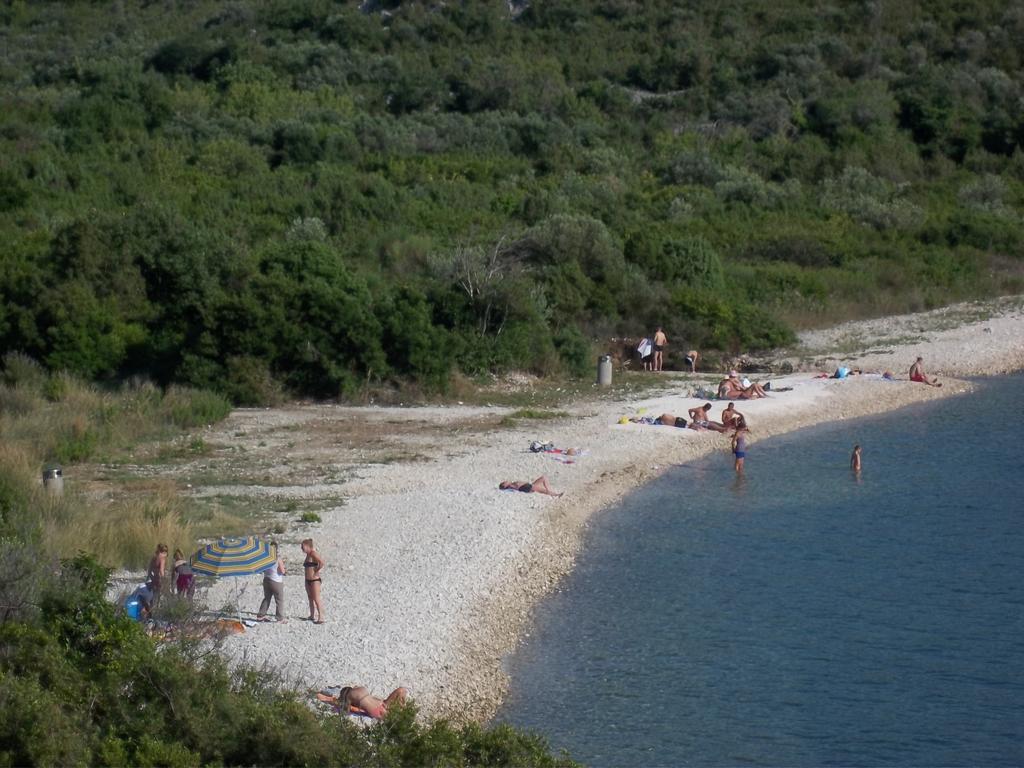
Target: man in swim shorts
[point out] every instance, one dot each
(660, 342)
(917, 374)
(692, 357)
(699, 419)
(739, 448)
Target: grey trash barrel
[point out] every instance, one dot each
(53, 479)
(604, 370)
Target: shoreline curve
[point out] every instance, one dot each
(433, 573)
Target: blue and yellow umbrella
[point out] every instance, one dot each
(245, 556)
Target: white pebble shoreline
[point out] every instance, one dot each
(432, 572)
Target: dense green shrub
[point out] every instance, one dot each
(177, 704)
(308, 196)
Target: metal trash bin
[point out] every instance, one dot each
(604, 370)
(53, 479)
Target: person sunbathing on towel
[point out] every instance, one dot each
(540, 485)
(359, 698)
(699, 419)
(670, 420)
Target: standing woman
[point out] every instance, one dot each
(156, 571)
(312, 565)
(273, 587)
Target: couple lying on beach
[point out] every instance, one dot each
(731, 388)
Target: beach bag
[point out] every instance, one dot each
(133, 608)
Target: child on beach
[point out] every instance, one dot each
(184, 579)
(739, 445)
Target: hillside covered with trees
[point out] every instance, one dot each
(318, 195)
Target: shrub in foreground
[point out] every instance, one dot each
(81, 684)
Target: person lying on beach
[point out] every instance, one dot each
(842, 372)
(665, 420)
(730, 415)
(540, 485)
(917, 374)
(359, 698)
(730, 388)
(699, 419)
(670, 420)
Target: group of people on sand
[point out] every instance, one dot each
(273, 585)
(652, 352)
(734, 388)
(349, 699)
(184, 584)
(731, 420)
(273, 582)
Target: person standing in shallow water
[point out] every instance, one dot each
(739, 445)
(855, 460)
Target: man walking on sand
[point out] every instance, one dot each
(917, 374)
(660, 341)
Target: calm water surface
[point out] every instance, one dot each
(801, 616)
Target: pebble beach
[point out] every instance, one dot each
(432, 571)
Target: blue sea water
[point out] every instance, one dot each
(801, 616)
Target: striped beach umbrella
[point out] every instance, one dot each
(243, 556)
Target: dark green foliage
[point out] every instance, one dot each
(308, 196)
(80, 684)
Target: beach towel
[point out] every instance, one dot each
(645, 348)
(564, 457)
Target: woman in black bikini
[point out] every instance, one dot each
(540, 485)
(312, 565)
